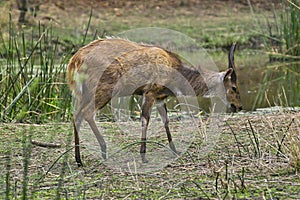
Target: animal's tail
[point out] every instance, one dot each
(77, 60)
(73, 66)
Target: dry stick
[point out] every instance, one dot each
(255, 139)
(293, 4)
(59, 157)
(238, 143)
(216, 183)
(281, 142)
(87, 28)
(242, 179)
(7, 176)
(45, 144)
(226, 179)
(280, 145)
(201, 189)
(252, 143)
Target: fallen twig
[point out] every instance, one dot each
(45, 144)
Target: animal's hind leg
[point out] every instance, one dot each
(82, 103)
(162, 110)
(77, 123)
(91, 121)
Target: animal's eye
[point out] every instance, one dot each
(234, 88)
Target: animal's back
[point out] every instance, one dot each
(104, 61)
(96, 55)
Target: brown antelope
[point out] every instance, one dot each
(96, 70)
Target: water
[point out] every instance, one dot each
(263, 84)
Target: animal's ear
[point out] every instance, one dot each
(226, 74)
(231, 64)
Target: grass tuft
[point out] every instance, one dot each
(283, 37)
(32, 79)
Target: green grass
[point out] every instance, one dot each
(34, 172)
(219, 34)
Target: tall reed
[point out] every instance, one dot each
(280, 86)
(32, 76)
(283, 38)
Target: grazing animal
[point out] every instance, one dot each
(96, 74)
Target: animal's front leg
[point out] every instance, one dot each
(148, 100)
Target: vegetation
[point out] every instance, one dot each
(280, 86)
(35, 57)
(283, 37)
(257, 155)
(280, 83)
(253, 158)
(33, 79)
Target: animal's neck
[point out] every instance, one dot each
(195, 79)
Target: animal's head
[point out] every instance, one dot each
(231, 85)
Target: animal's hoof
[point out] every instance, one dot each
(78, 161)
(144, 159)
(103, 151)
(104, 156)
(173, 149)
(79, 164)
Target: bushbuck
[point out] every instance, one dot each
(108, 67)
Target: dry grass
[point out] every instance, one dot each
(257, 156)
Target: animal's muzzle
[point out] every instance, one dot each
(235, 109)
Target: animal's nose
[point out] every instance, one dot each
(233, 108)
